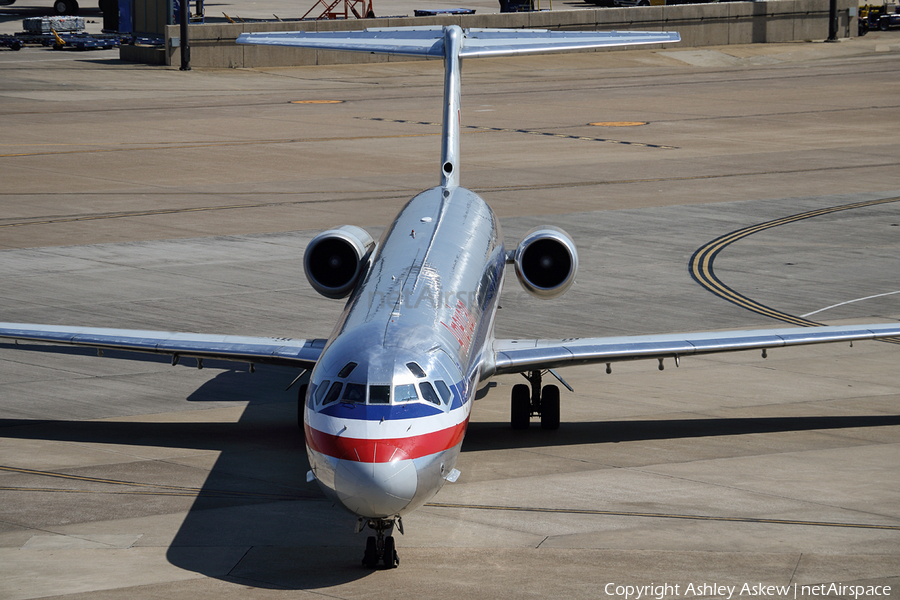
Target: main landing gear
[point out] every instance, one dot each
(542, 402)
(380, 548)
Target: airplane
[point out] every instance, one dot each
(391, 390)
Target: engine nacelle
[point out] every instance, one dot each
(546, 261)
(333, 262)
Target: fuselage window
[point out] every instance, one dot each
(379, 394)
(348, 368)
(405, 393)
(354, 392)
(444, 391)
(334, 393)
(416, 369)
(320, 391)
(428, 393)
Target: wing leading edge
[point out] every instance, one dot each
(257, 350)
(517, 356)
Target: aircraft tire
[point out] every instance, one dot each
(390, 558)
(520, 407)
(550, 407)
(370, 558)
(301, 403)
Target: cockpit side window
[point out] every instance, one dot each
(444, 391)
(405, 393)
(348, 368)
(354, 392)
(428, 393)
(311, 395)
(379, 394)
(320, 391)
(416, 369)
(333, 393)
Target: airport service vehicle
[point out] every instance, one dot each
(391, 389)
(71, 7)
(881, 17)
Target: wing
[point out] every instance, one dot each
(257, 350)
(516, 356)
(476, 43)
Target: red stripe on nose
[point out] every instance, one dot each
(385, 450)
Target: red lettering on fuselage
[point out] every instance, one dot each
(462, 326)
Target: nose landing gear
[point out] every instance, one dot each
(379, 547)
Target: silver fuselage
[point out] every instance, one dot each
(418, 324)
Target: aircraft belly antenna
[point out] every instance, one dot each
(453, 40)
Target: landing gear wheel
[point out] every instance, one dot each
(520, 407)
(370, 558)
(301, 404)
(390, 558)
(550, 407)
(535, 399)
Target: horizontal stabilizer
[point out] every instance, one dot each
(476, 43)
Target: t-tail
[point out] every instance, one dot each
(452, 43)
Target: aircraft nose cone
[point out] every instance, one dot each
(376, 489)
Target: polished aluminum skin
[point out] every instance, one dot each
(428, 297)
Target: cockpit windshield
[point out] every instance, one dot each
(354, 392)
(333, 393)
(379, 394)
(405, 393)
(435, 392)
(445, 392)
(428, 393)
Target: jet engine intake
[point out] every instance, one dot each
(333, 262)
(546, 261)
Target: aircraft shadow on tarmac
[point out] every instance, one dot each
(490, 436)
(256, 520)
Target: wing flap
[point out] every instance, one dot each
(262, 350)
(516, 356)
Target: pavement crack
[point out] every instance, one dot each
(796, 566)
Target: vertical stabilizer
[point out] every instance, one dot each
(453, 40)
(452, 43)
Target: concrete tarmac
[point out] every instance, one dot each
(144, 197)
